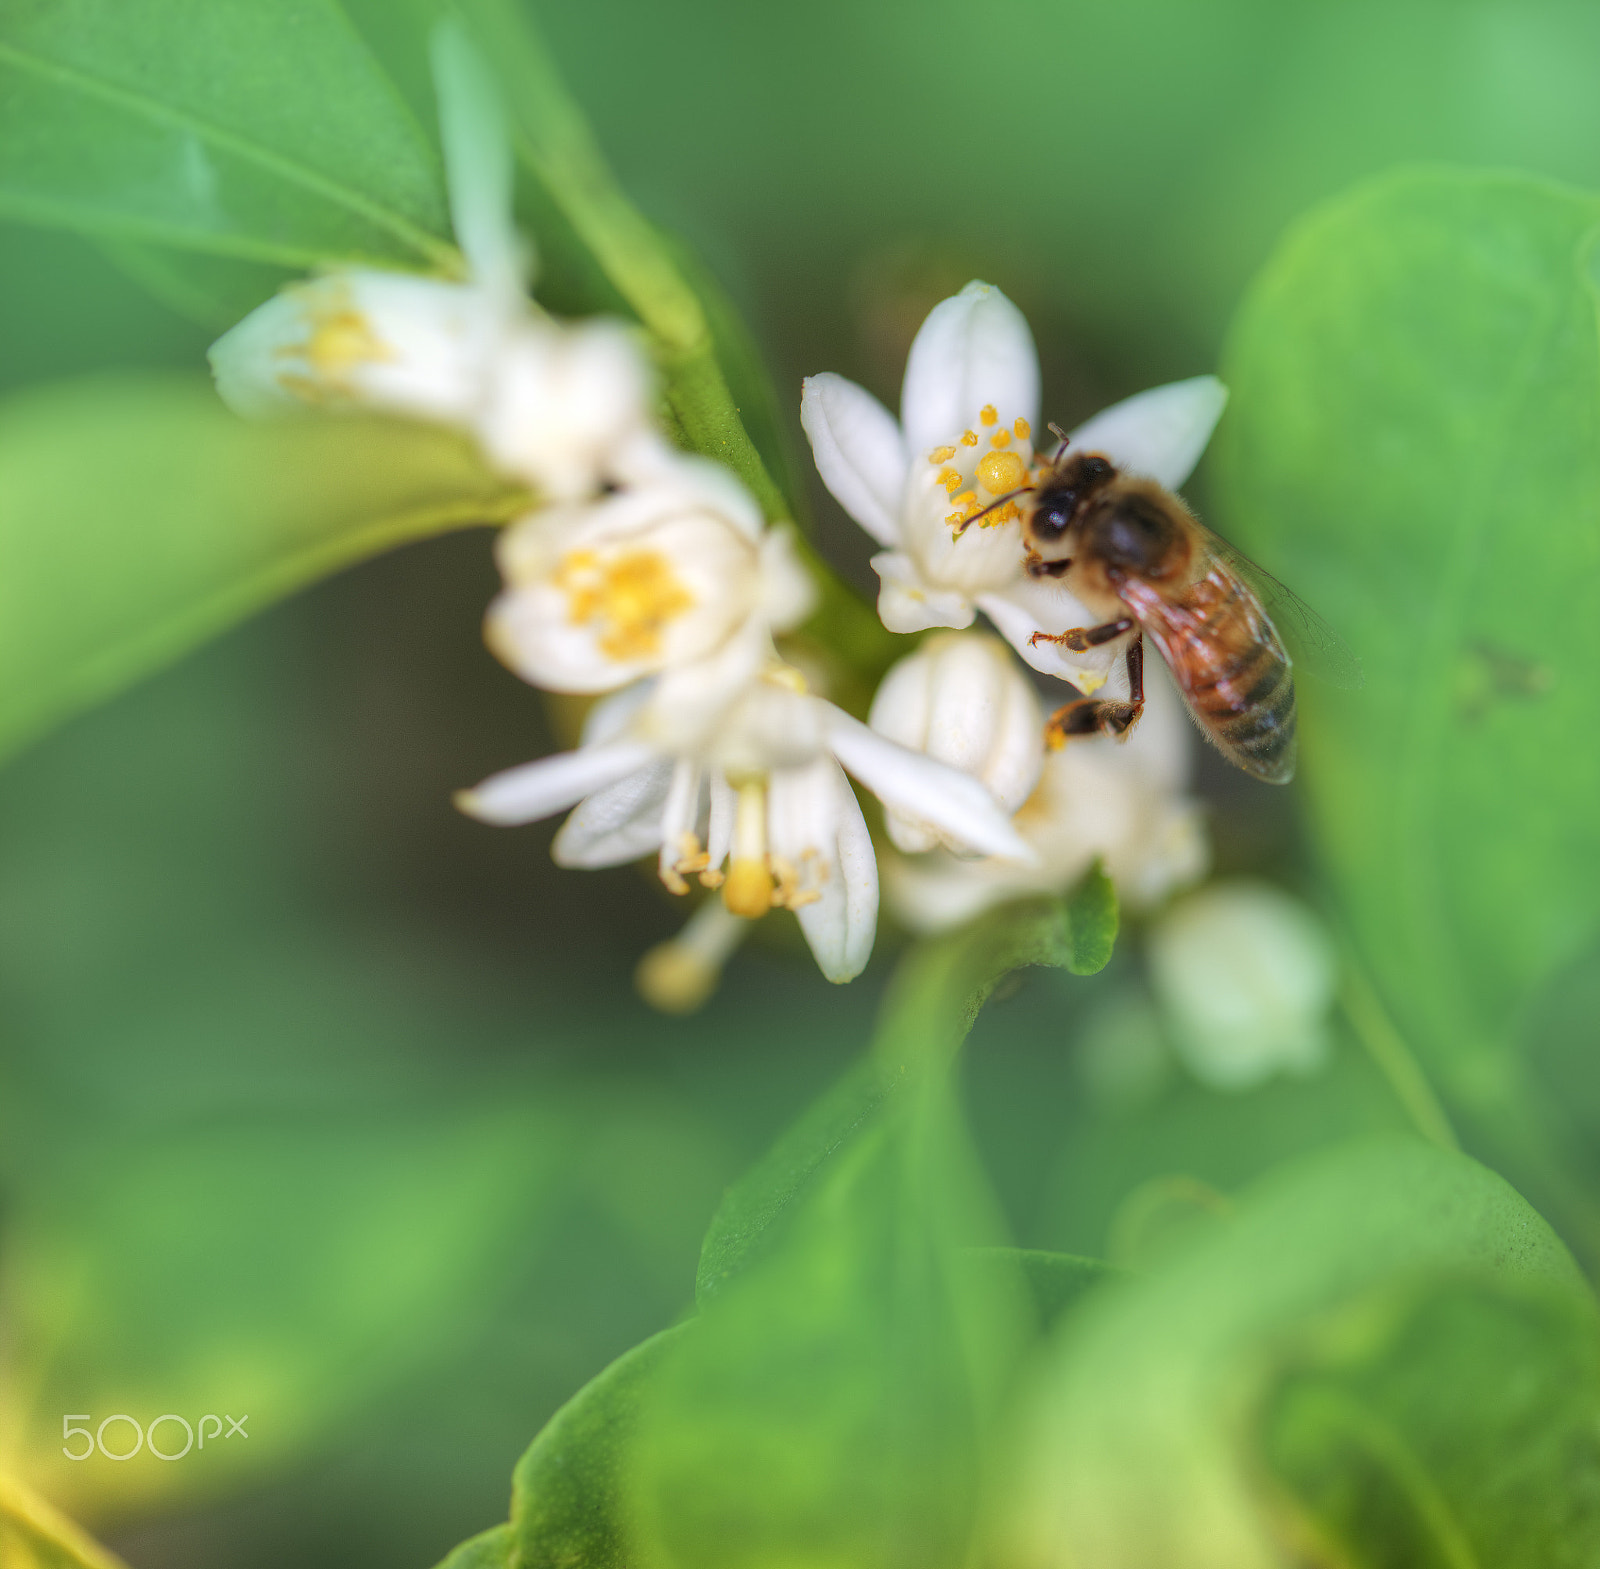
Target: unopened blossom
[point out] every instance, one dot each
(758, 806)
(944, 488)
(564, 407)
(963, 699)
(674, 574)
(1121, 802)
(1245, 976)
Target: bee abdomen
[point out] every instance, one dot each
(1248, 705)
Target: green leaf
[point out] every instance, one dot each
(138, 517)
(1055, 1281)
(836, 1401)
(1141, 1450)
(936, 993)
(492, 1549)
(567, 1491)
(1458, 1430)
(263, 132)
(1092, 921)
(1412, 445)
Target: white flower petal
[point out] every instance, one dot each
(478, 164)
(973, 349)
(1030, 606)
(680, 814)
(954, 803)
(907, 604)
(614, 714)
(551, 785)
(815, 823)
(1159, 434)
(617, 824)
(719, 834)
(858, 451)
(935, 893)
(787, 594)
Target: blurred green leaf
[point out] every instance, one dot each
(287, 1267)
(1141, 1449)
(138, 517)
(566, 1500)
(34, 1536)
(836, 1400)
(936, 993)
(212, 291)
(1412, 445)
(266, 132)
(1055, 1281)
(492, 1549)
(1092, 920)
(1458, 1430)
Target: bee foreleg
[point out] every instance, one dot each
(1080, 639)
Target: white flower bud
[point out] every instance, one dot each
(1245, 975)
(963, 700)
(361, 339)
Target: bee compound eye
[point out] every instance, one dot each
(1051, 522)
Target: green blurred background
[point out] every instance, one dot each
(323, 1103)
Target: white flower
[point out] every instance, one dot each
(761, 793)
(1245, 976)
(1121, 802)
(962, 699)
(564, 407)
(969, 411)
(599, 594)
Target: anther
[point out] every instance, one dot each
(950, 480)
(941, 454)
(1022, 428)
(1001, 438)
(969, 438)
(987, 414)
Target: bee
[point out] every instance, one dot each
(1142, 562)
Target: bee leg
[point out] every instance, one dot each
(1098, 715)
(1080, 639)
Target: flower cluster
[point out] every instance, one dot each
(649, 580)
(646, 577)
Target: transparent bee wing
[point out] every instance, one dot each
(1314, 646)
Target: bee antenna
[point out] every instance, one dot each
(1061, 436)
(999, 501)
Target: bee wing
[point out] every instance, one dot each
(1313, 645)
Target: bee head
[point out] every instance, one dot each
(1062, 497)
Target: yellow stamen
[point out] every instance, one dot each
(1001, 438)
(987, 414)
(941, 455)
(1008, 513)
(633, 597)
(748, 890)
(1022, 428)
(950, 479)
(675, 979)
(999, 472)
(969, 438)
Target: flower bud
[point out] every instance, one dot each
(1245, 976)
(963, 700)
(361, 339)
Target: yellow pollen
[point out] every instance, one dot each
(950, 480)
(987, 414)
(941, 454)
(955, 519)
(631, 597)
(1008, 513)
(1001, 438)
(1022, 428)
(969, 438)
(999, 472)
